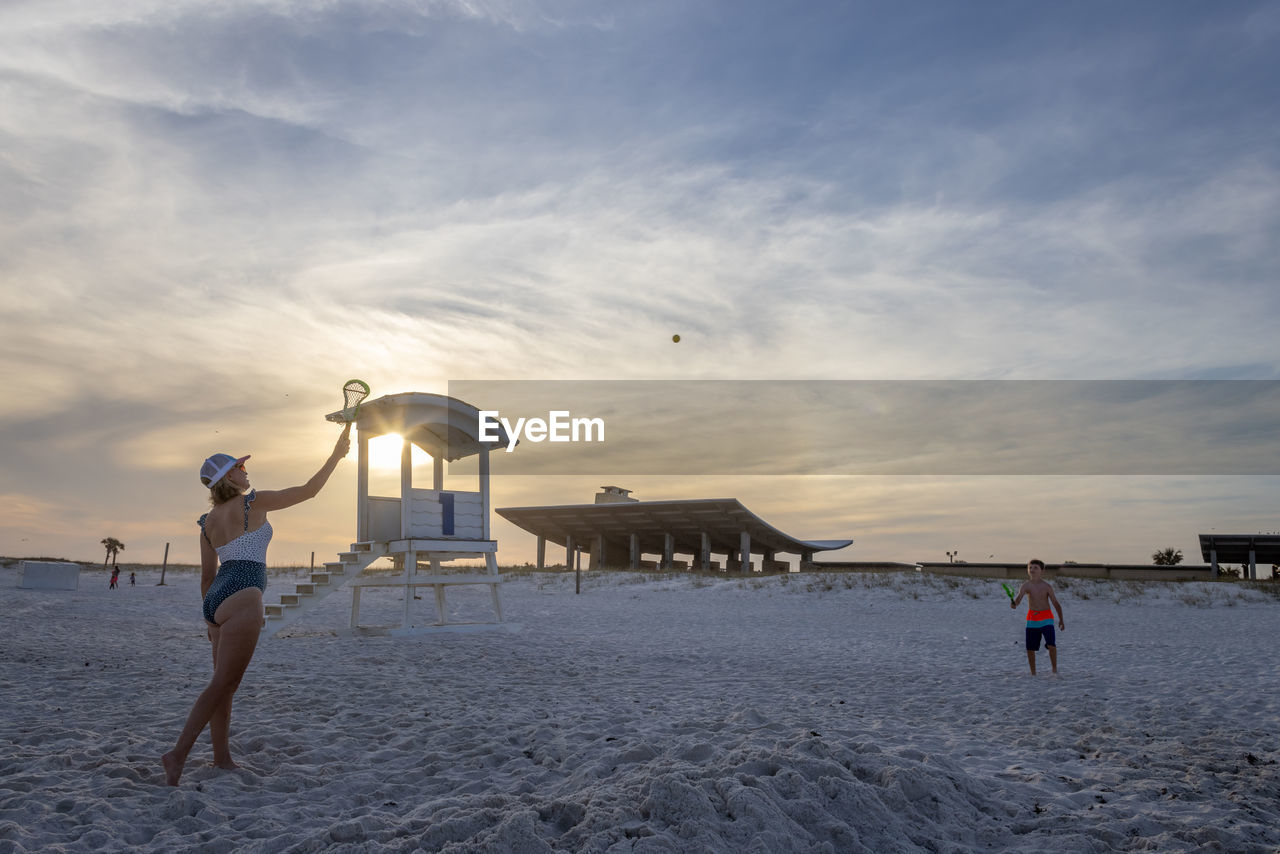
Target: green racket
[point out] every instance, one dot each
(353, 392)
(1008, 591)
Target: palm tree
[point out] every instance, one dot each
(113, 546)
(1167, 557)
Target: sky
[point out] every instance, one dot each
(214, 213)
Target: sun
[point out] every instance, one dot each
(384, 451)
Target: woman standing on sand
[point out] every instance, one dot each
(233, 543)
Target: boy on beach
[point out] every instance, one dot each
(1039, 618)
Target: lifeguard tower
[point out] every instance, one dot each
(421, 529)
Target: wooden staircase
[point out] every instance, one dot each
(306, 595)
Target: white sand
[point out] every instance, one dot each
(763, 715)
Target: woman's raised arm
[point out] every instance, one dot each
(278, 499)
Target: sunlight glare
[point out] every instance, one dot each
(384, 451)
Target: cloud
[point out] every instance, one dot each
(287, 171)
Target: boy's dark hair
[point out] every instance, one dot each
(1036, 561)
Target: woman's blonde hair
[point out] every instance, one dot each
(222, 492)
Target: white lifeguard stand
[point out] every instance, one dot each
(433, 526)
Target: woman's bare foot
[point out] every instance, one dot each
(228, 763)
(172, 768)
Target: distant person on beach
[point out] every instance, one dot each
(1039, 618)
(133, 578)
(233, 575)
(115, 578)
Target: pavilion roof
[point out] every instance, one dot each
(722, 519)
(1235, 548)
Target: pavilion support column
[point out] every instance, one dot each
(635, 551)
(1213, 562)
(706, 551)
(542, 552)
(744, 546)
(805, 557)
(668, 551)
(568, 552)
(598, 560)
(1253, 565)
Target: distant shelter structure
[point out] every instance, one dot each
(617, 531)
(1245, 549)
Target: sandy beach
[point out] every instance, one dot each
(824, 713)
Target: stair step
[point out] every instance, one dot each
(309, 593)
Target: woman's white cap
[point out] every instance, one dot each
(216, 467)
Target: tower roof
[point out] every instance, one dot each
(443, 426)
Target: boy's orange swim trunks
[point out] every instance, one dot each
(1040, 625)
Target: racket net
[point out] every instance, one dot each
(353, 393)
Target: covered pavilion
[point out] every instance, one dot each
(618, 531)
(1244, 549)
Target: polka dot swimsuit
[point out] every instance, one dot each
(250, 546)
(242, 563)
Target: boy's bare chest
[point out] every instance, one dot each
(1038, 594)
